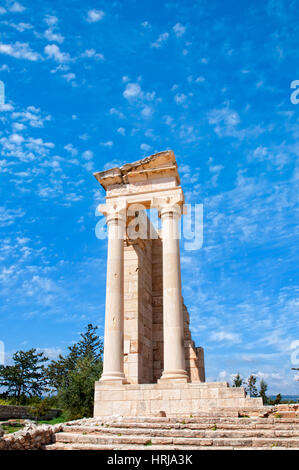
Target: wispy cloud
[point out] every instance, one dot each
(160, 41)
(19, 50)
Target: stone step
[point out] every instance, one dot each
(185, 432)
(67, 437)
(240, 424)
(78, 446)
(136, 421)
(206, 431)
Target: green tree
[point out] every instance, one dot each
(262, 391)
(77, 398)
(26, 377)
(251, 386)
(73, 376)
(277, 399)
(40, 408)
(237, 381)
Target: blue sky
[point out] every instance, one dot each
(91, 85)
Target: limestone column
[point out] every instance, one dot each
(113, 367)
(173, 322)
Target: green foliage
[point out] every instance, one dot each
(40, 408)
(251, 386)
(73, 376)
(277, 400)
(60, 419)
(148, 443)
(4, 402)
(78, 395)
(26, 377)
(262, 391)
(8, 429)
(237, 381)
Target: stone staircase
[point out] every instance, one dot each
(210, 431)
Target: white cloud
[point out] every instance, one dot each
(109, 143)
(16, 7)
(113, 164)
(21, 27)
(160, 41)
(168, 120)
(51, 20)
(31, 115)
(226, 336)
(92, 53)
(145, 147)
(116, 112)
(87, 155)
(2, 11)
(16, 138)
(19, 51)
(225, 122)
(134, 94)
(69, 77)
(8, 216)
(94, 15)
(51, 353)
(180, 98)
(50, 35)
(71, 149)
(53, 52)
(121, 130)
(18, 126)
(179, 29)
(132, 91)
(147, 111)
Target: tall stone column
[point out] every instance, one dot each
(173, 321)
(113, 367)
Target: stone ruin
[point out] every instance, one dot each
(151, 364)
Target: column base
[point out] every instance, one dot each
(113, 378)
(174, 376)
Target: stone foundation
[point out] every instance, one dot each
(175, 399)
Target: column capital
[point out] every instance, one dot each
(169, 205)
(114, 211)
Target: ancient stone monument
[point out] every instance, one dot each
(151, 364)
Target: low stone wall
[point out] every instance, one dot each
(23, 412)
(30, 438)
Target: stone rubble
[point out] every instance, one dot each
(31, 437)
